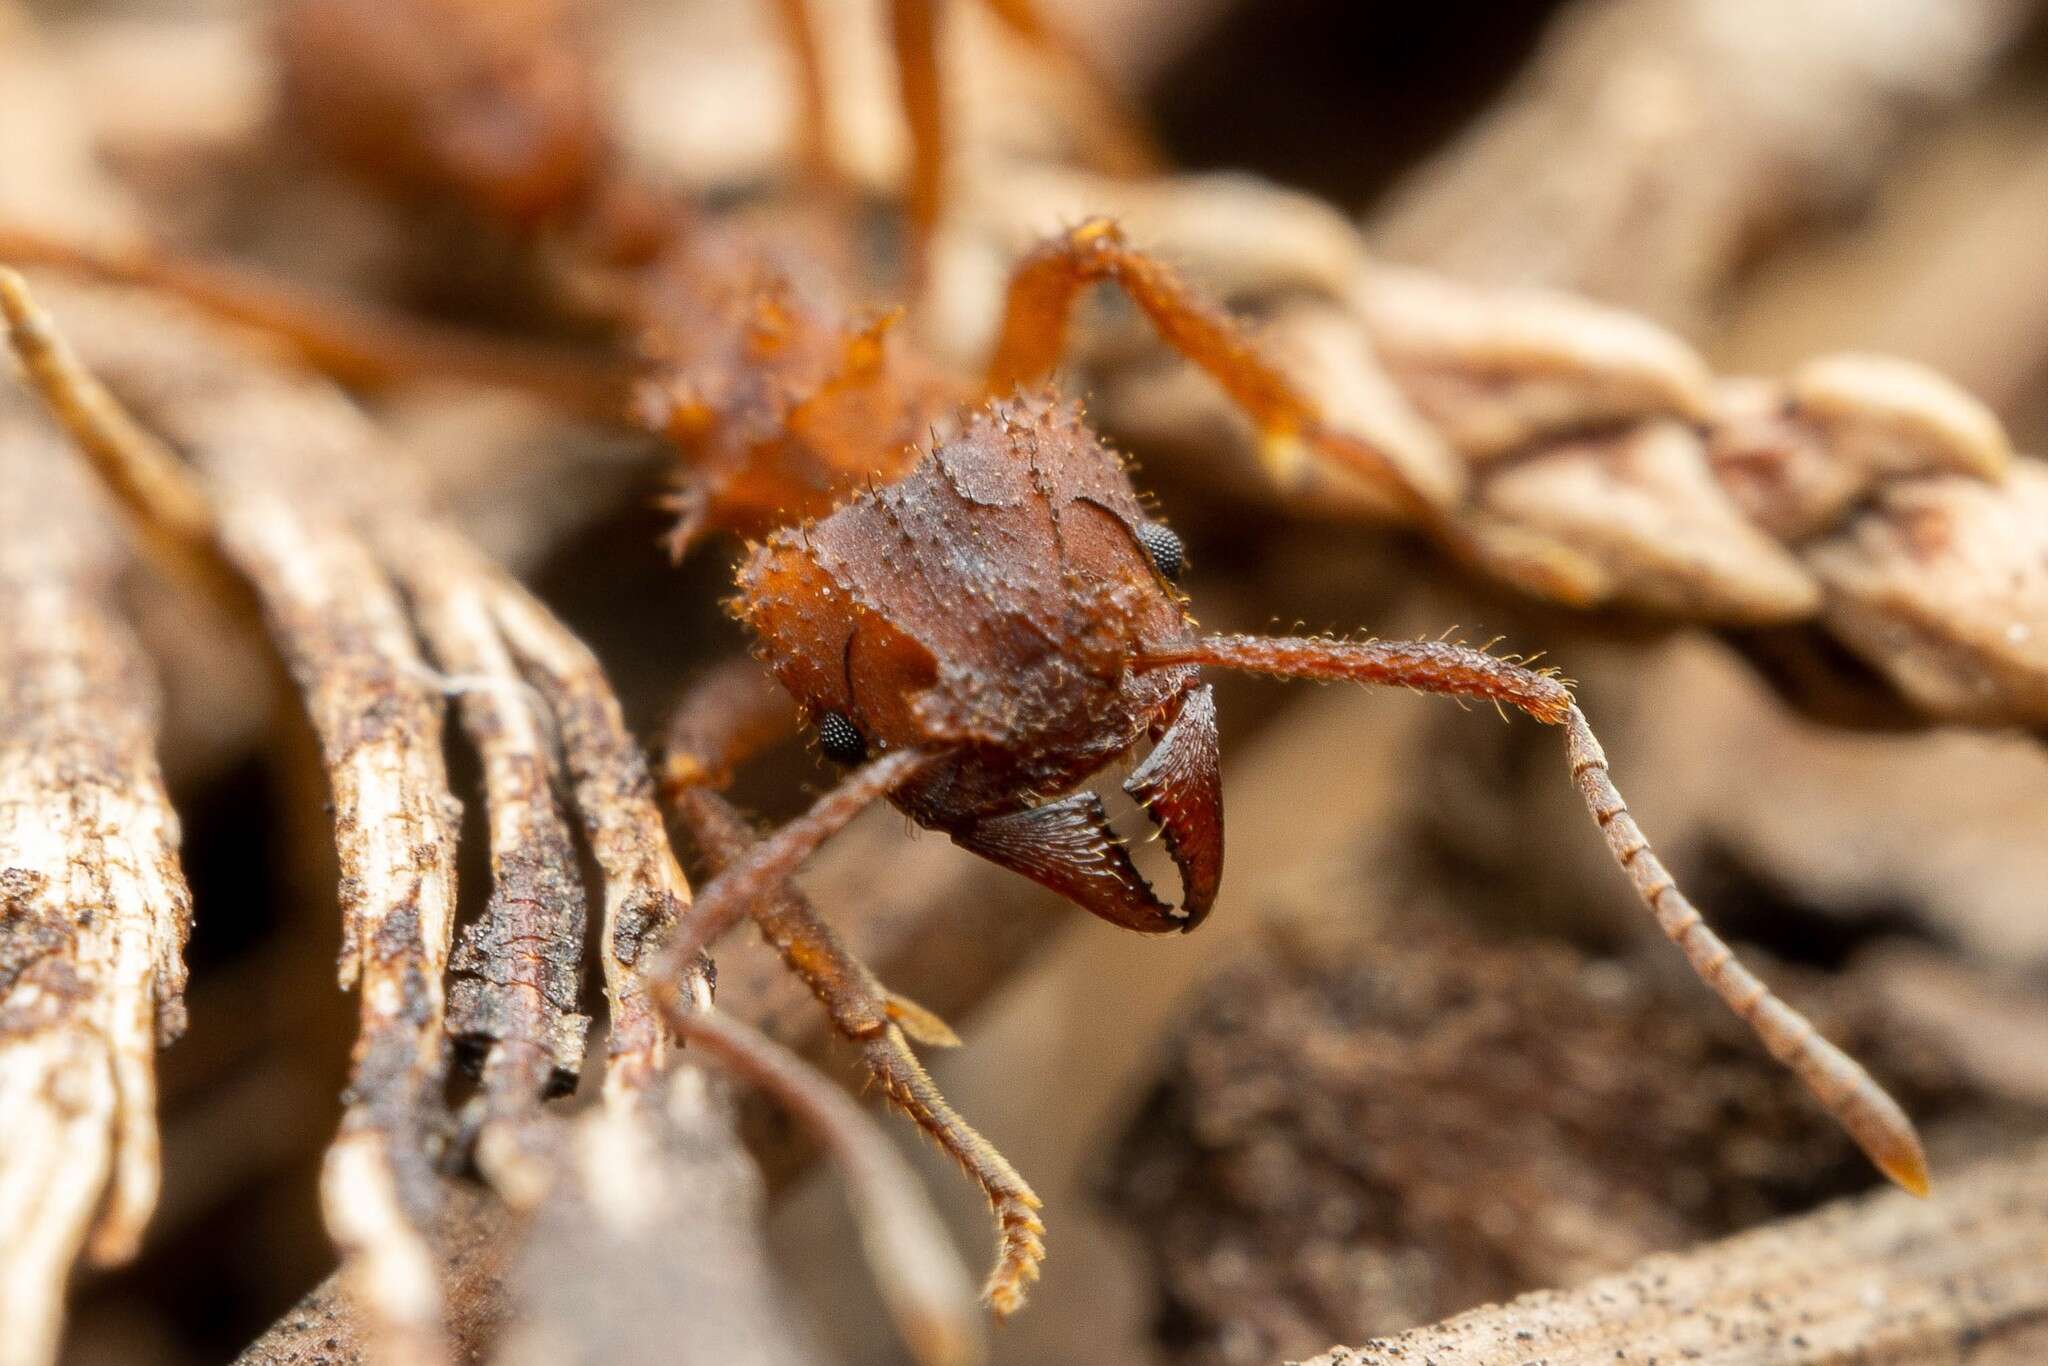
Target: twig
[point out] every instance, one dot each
(1887, 1278)
(143, 472)
(520, 965)
(644, 888)
(304, 543)
(1586, 456)
(93, 905)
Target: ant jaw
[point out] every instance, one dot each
(1180, 786)
(1068, 844)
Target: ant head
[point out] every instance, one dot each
(993, 605)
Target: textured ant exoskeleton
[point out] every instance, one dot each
(975, 629)
(997, 628)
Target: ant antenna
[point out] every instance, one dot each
(1870, 1116)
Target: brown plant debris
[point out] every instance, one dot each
(93, 904)
(1326, 1159)
(1886, 1278)
(296, 530)
(518, 970)
(650, 1250)
(345, 532)
(645, 891)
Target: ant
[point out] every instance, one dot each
(974, 625)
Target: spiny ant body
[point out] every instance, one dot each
(975, 629)
(993, 607)
(998, 628)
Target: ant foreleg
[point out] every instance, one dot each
(725, 717)
(731, 714)
(728, 716)
(767, 866)
(1843, 1088)
(876, 1020)
(1040, 302)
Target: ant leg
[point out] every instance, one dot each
(914, 36)
(813, 130)
(1120, 143)
(355, 344)
(733, 713)
(913, 1262)
(1843, 1088)
(723, 718)
(1036, 313)
(876, 1021)
(767, 865)
(727, 717)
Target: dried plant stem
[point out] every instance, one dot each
(326, 578)
(144, 472)
(1575, 452)
(519, 968)
(645, 892)
(1884, 1278)
(344, 634)
(93, 905)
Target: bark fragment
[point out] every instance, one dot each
(1362, 1132)
(1887, 1278)
(93, 905)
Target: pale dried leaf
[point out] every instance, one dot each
(1943, 587)
(1497, 370)
(1644, 525)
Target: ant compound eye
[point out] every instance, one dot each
(840, 741)
(1164, 547)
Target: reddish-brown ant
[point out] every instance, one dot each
(992, 629)
(975, 629)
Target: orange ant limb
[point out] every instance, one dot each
(1120, 143)
(766, 867)
(921, 1280)
(1040, 304)
(725, 717)
(914, 33)
(731, 714)
(876, 1021)
(813, 122)
(357, 345)
(1870, 1116)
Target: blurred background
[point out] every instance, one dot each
(1427, 1052)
